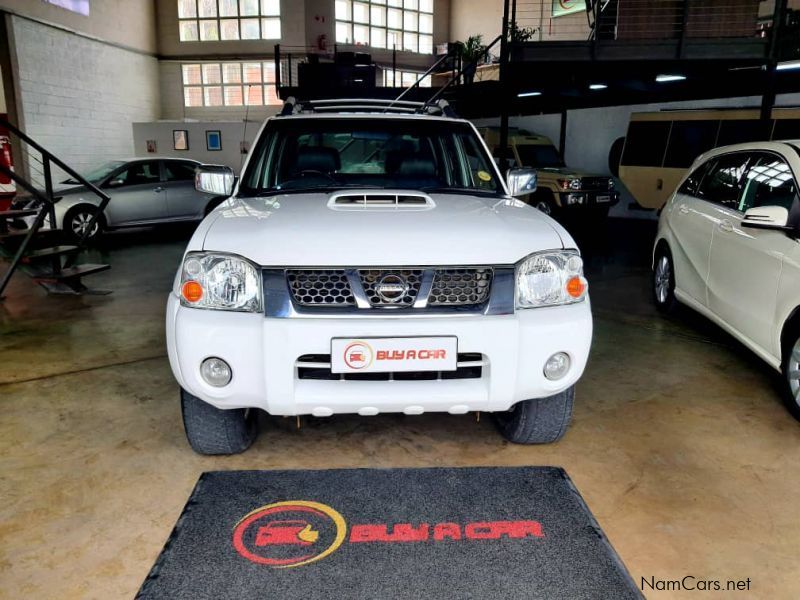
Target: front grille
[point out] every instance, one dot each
(460, 287)
(390, 288)
(328, 287)
(599, 184)
(317, 367)
(372, 279)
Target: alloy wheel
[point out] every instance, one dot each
(793, 372)
(662, 279)
(80, 223)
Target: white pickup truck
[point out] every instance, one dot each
(371, 259)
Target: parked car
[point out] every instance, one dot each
(560, 189)
(143, 192)
(375, 262)
(727, 246)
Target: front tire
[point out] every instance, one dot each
(77, 220)
(212, 430)
(791, 372)
(538, 421)
(664, 280)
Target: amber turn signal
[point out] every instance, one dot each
(576, 286)
(192, 291)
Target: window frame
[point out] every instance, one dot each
(265, 68)
(716, 159)
(754, 156)
(261, 17)
(405, 15)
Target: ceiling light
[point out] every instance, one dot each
(598, 86)
(666, 78)
(788, 66)
(528, 94)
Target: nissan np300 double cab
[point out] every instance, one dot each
(371, 259)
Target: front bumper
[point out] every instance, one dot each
(577, 199)
(262, 353)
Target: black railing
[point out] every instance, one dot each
(46, 197)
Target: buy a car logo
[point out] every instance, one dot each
(289, 534)
(358, 355)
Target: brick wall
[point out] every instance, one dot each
(77, 96)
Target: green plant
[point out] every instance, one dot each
(473, 49)
(520, 34)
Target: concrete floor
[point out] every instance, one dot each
(680, 444)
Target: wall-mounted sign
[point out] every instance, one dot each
(568, 7)
(213, 140)
(151, 146)
(180, 139)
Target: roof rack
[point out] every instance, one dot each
(376, 105)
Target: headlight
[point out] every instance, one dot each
(221, 282)
(570, 184)
(550, 278)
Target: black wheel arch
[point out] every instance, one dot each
(791, 327)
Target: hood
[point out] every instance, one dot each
(306, 230)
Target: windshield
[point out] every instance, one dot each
(539, 156)
(98, 174)
(319, 153)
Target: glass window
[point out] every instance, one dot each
(768, 182)
(214, 20)
(539, 156)
(229, 84)
(645, 143)
(722, 184)
(179, 171)
(402, 24)
(737, 131)
(391, 154)
(786, 129)
(692, 182)
(140, 174)
(688, 140)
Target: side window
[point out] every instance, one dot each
(722, 184)
(179, 171)
(688, 140)
(645, 143)
(139, 174)
(480, 171)
(769, 182)
(692, 182)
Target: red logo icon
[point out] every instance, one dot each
(358, 355)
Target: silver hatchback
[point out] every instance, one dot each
(143, 192)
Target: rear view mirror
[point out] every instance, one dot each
(521, 182)
(767, 217)
(214, 179)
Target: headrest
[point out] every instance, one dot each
(318, 158)
(417, 166)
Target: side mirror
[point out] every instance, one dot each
(214, 179)
(521, 181)
(767, 217)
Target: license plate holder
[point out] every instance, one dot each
(394, 354)
(603, 199)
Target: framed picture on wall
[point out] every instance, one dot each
(151, 146)
(180, 139)
(213, 140)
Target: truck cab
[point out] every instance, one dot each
(561, 189)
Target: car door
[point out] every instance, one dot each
(137, 194)
(691, 221)
(183, 200)
(746, 263)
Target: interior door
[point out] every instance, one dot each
(183, 200)
(746, 263)
(137, 194)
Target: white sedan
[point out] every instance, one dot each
(727, 246)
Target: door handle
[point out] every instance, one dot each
(158, 190)
(683, 209)
(725, 226)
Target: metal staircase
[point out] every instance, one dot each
(29, 237)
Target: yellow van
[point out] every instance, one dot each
(661, 146)
(559, 187)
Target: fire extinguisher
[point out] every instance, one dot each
(7, 187)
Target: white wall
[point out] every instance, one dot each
(232, 132)
(77, 96)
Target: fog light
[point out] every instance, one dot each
(556, 366)
(575, 199)
(216, 372)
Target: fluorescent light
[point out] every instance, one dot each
(788, 66)
(666, 78)
(528, 94)
(598, 86)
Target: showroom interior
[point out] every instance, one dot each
(630, 431)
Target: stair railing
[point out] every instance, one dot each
(47, 199)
